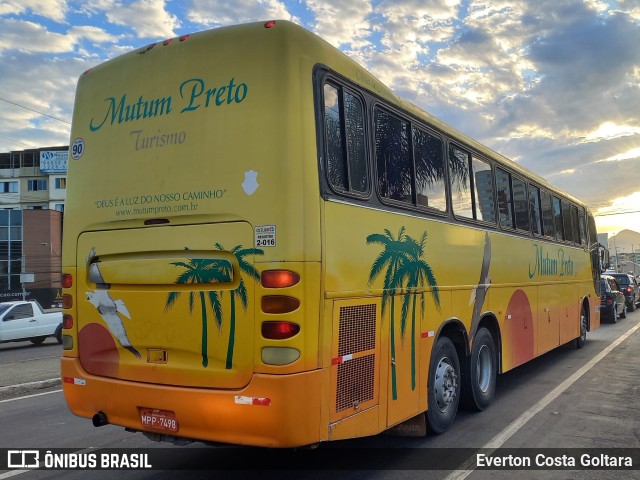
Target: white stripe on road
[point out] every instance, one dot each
(29, 396)
(500, 439)
(51, 382)
(12, 473)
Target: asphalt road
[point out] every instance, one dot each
(581, 399)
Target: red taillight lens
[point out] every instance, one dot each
(67, 321)
(270, 24)
(279, 330)
(67, 280)
(279, 278)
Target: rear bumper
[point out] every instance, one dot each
(291, 418)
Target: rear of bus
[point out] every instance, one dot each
(191, 256)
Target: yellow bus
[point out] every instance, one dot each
(263, 245)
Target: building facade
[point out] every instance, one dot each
(34, 179)
(32, 195)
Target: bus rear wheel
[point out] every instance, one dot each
(480, 381)
(444, 386)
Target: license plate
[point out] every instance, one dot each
(161, 420)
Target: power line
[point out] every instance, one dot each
(35, 111)
(615, 213)
(16, 141)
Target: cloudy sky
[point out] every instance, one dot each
(554, 85)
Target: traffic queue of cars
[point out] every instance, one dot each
(619, 293)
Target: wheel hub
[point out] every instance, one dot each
(484, 369)
(446, 384)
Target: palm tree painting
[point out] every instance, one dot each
(240, 292)
(212, 271)
(391, 258)
(417, 273)
(403, 266)
(200, 271)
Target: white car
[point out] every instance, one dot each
(21, 321)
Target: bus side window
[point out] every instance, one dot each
(557, 219)
(471, 181)
(547, 215)
(536, 210)
(521, 210)
(566, 221)
(393, 157)
(345, 141)
(484, 197)
(460, 182)
(430, 183)
(574, 225)
(505, 199)
(582, 226)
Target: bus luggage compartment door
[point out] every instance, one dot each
(168, 304)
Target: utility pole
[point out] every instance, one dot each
(615, 247)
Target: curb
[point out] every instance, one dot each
(22, 388)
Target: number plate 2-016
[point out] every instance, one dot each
(162, 420)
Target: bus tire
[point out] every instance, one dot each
(481, 372)
(444, 386)
(582, 339)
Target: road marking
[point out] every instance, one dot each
(29, 396)
(12, 473)
(31, 360)
(51, 382)
(496, 442)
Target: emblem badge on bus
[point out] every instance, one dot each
(250, 184)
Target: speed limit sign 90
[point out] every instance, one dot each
(77, 148)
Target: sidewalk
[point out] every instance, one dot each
(26, 376)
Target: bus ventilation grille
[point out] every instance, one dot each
(357, 335)
(357, 329)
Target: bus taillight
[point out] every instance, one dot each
(279, 278)
(67, 321)
(279, 304)
(67, 301)
(67, 280)
(279, 330)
